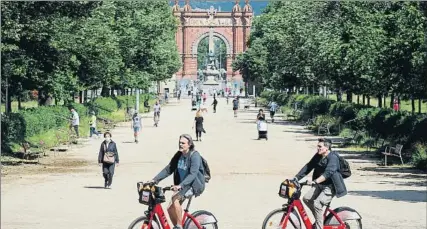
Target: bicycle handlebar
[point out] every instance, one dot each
(169, 188)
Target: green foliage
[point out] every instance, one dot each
(61, 48)
(365, 48)
(419, 156)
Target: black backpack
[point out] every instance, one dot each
(344, 167)
(206, 169)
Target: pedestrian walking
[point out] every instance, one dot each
(136, 125)
(108, 157)
(215, 102)
(92, 123)
(75, 121)
(198, 123)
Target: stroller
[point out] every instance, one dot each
(193, 105)
(262, 129)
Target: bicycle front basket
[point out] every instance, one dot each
(287, 189)
(145, 194)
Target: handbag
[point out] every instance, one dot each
(109, 157)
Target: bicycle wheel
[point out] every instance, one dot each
(142, 223)
(275, 218)
(353, 224)
(206, 219)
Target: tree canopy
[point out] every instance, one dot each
(365, 48)
(60, 48)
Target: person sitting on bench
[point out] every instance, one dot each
(146, 105)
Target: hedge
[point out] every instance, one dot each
(400, 127)
(28, 123)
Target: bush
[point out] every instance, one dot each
(316, 105)
(419, 156)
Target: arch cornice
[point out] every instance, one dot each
(195, 44)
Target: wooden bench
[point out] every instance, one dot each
(28, 153)
(393, 152)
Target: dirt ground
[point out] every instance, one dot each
(67, 192)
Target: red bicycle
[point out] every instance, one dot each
(288, 217)
(155, 218)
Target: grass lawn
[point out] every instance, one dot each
(404, 104)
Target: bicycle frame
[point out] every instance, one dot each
(163, 221)
(308, 225)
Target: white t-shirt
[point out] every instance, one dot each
(156, 107)
(76, 119)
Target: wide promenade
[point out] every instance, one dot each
(246, 174)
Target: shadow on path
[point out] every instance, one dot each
(396, 195)
(94, 187)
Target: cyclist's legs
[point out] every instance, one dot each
(315, 199)
(175, 209)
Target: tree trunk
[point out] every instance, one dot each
(385, 101)
(391, 101)
(19, 103)
(349, 97)
(380, 101)
(85, 96)
(358, 99)
(369, 100)
(105, 92)
(80, 97)
(363, 99)
(413, 104)
(419, 106)
(339, 97)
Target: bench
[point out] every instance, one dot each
(393, 152)
(108, 124)
(324, 127)
(294, 114)
(28, 153)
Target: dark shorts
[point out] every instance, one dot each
(272, 113)
(182, 195)
(234, 108)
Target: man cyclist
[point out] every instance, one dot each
(326, 180)
(273, 109)
(156, 109)
(187, 168)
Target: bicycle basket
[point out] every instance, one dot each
(287, 189)
(145, 193)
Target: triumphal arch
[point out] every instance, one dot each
(195, 25)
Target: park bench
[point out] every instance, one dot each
(294, 114)
(108, 124)
(29, 154)
(324, 127)
(393, 152)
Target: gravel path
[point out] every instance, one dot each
(246, 174)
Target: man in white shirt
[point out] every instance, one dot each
(156, 109)
(75, 121)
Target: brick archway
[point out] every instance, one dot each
(194, 25)
(196, 42)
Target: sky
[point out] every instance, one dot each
(225, 5)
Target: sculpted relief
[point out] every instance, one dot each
(212, 22)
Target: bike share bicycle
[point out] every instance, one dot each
(155, 218)
(288, 217)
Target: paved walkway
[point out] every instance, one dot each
(246, 177)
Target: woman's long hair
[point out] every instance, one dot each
(199, 113)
